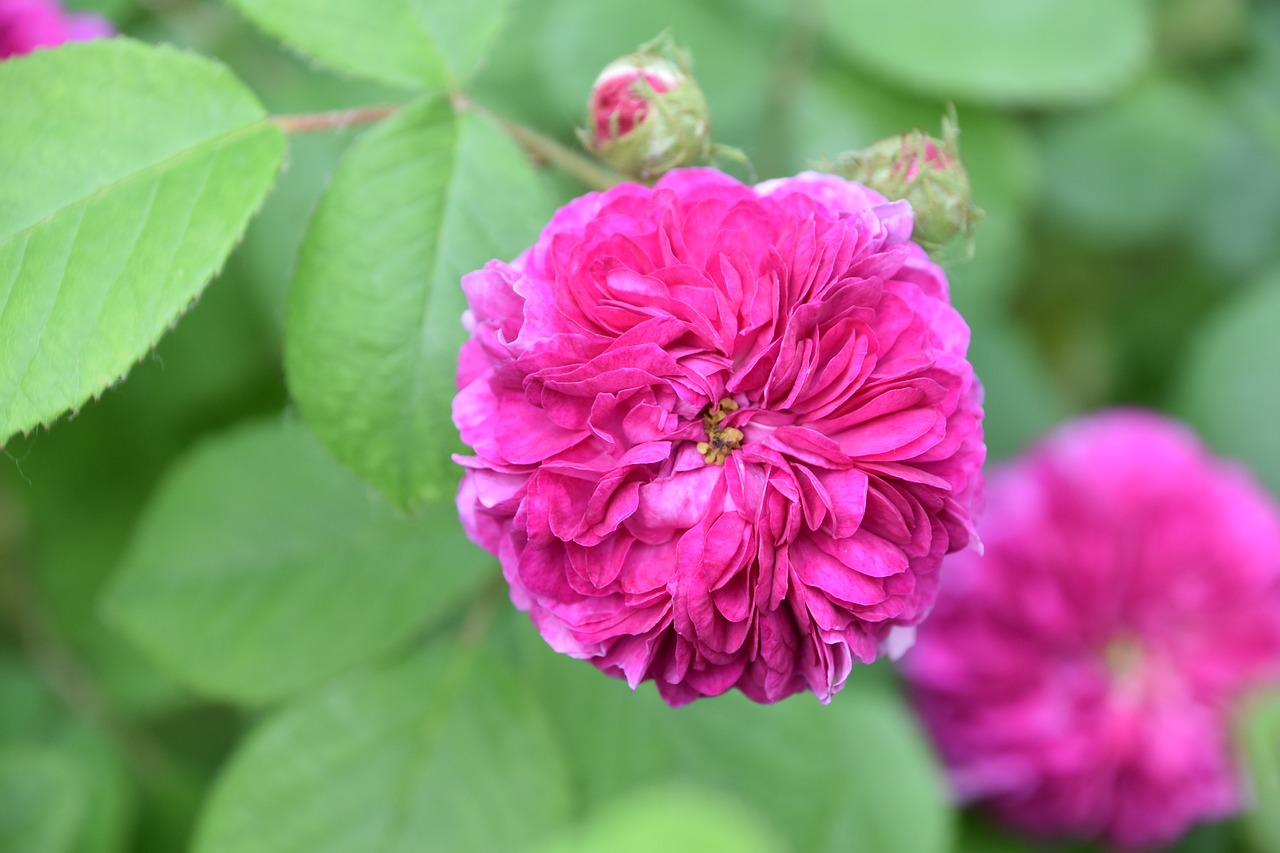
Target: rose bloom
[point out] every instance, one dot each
(1078, 678)
(26, 25)
(724, 435)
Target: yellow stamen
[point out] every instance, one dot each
(720, 440)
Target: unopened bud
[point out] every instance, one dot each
(925, 171)
(646, 114)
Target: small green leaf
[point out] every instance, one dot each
(1003, 52)
(444, 752)
(130, 172)
(693, 818)
(1228, 387)
(431, 44)
(373, 323)
(263, 567)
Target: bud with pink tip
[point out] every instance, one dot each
(646, 114)
(925, 171)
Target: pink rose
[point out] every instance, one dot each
(26, 25)
(1078, 678)
(723, 435)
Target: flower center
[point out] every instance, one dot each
(720, 439)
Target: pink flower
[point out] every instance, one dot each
(1078, 677)
(26, 25)
(724, 435)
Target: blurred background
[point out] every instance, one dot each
(1127, 156)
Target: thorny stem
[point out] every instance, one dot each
(801, 42)
(541, 149)
(336, 120)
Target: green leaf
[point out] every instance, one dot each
(432, 44)
(855, 775)
(262, 567)
(130, 173)
(651, 819)
(373, 322)
(1258, 738)
(444, 752)
(1133, 170)
(1227, 391)
(68, 795)
(1003, 52)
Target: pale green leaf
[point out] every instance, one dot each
(431, 44)
(443, 752)
(374, 318)
(855, 775)
(1228, 386)
(1258, 739)
(673, 818)
(128, 173)
(263, 567)
(1044, 52)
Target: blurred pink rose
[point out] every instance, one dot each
(26, 25)
(1078, 677)
(724, 435)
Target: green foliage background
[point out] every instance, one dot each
(237, 613)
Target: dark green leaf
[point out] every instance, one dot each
(444, 752)
(262, 567)
(130, 171)
(63, 796)
(373, 322)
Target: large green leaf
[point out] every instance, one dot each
(443, 752)
(1228, 387)
(1043, 52)
(1133, 170)
(434, 44)
(670, 817)
(262, 567)
(373, 321)
(129, 172)
(855, 775)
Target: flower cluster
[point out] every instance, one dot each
(1079, 676)
(26, 25)
(723, 435)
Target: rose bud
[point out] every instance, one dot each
(646, 114)
(925, 171)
